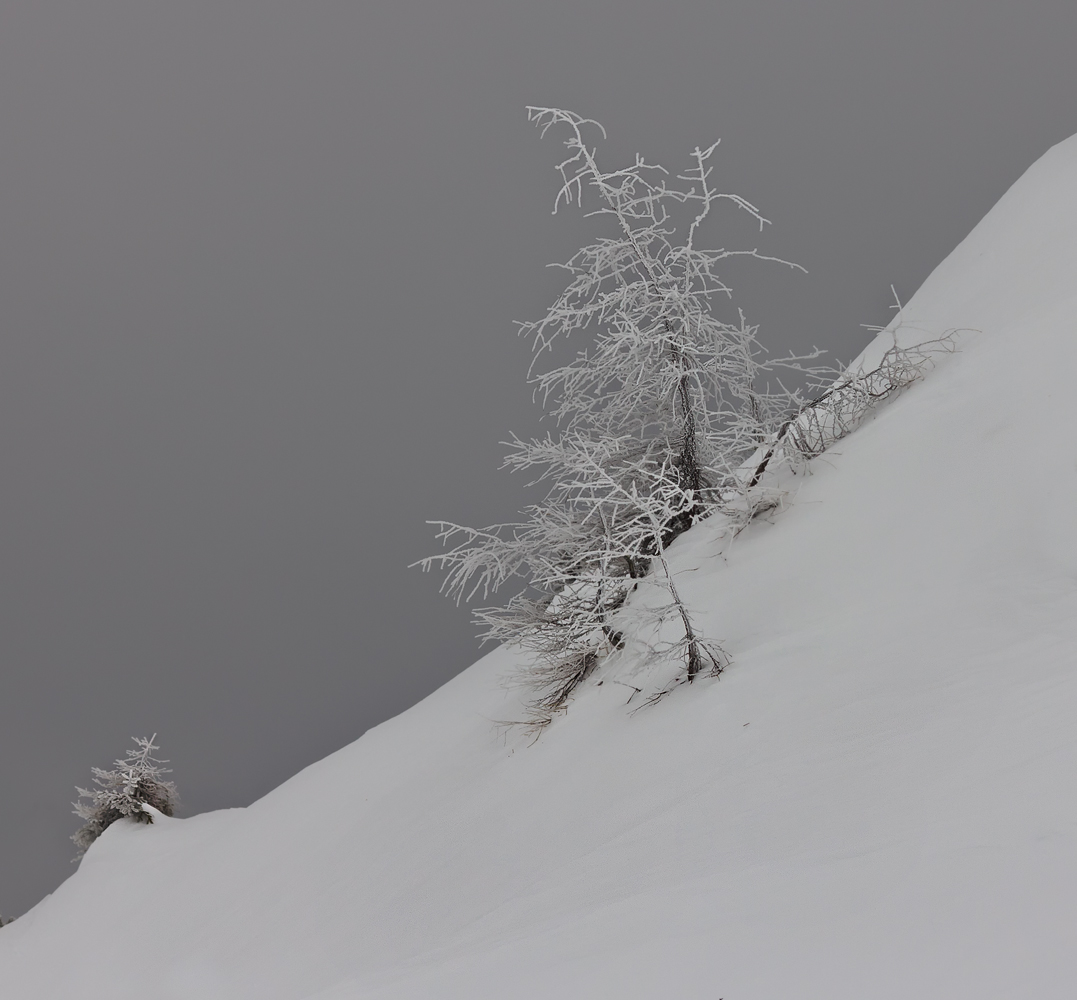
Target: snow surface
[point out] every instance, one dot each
(877, 800)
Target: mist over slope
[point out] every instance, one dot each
(877, 800)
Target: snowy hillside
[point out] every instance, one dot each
(877, 800)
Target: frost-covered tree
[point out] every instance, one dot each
(672, 412)
(137, 781)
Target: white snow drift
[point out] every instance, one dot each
(877, 800)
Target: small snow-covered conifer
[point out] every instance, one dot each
(135, 783)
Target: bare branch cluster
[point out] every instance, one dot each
(135, 782)
(842, 406)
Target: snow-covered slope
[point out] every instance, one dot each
(877, 800)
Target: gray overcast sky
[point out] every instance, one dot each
(259, 263)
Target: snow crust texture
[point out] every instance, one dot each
(877, 800)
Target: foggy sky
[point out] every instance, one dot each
(259, 263)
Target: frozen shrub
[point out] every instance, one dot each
(136, 782)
